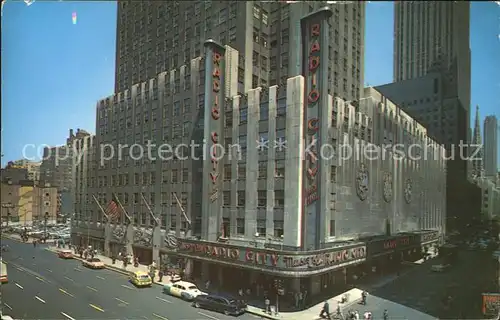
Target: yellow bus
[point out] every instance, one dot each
(3, 273)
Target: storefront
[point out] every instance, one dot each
(385, 254)
(257, 269)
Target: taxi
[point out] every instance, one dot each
(3, 273)
(93, 263)
(65, 254)
(141, 279)
(182, 289)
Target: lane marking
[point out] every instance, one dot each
(69, 279)
(208, 316)
(40, 279)
(9, 307)
(159, 317)
(66, 292)
(77, 269)
(130, 288)
(164, 300)
(121, 301)
(99, 277)
(93, 289)
(50, 272)
(70, 318)
(39, 299)
(96, 307)
(19, 286)
(19, 269)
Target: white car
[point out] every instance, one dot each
(182, 289)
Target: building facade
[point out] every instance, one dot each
(433, 34)
(490, 199)
(265, 34)
(256, 200)
(491, 147)
(27, 204)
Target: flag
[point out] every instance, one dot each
(112, 210)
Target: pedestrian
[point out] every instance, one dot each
(325, 312)
(160, 275)
(207, 285)
(386, 314)
(356, 315)
(364, 294)
(268, 305)
(301, 299)
(240, 293)
(296, 297)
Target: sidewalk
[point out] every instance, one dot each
(16, 237)
(118, 266)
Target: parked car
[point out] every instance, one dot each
(3, 273)
(94, 263)
(182, 289)
(228, 306)
(65, 254)
(141, 279)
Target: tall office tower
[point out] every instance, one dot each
(153, 37)
(430, 35)
(477, 150)
(491, 147)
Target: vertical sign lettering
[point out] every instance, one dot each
(214, 134)
(312, 126)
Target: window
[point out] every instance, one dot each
(185, 175)
(280, 169)
(261, 198)
(264, 111)
(281, 110)
(261, 227)
(262, 169)
(227, 172)
(333, 174)
(240, 226)
(242, 171)
(332, 228)
(187, 105)
(227, 198)
(174, 176)
(243, 115)
(279, 199)
(242, 142)
(164, 176)
(241, 198)
(256, 12)
(177, 108)
(278, 229)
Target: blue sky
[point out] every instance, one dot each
(53, 72)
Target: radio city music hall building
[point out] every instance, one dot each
(263, 210)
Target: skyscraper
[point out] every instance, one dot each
(430, 35)
(491, 146)
(477, 141)
(153, 37)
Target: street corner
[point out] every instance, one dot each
(259, 312)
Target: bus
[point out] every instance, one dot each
(3, 273)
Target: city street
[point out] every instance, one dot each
(42, 286)
(424, 290)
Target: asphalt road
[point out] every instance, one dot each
(42, 286)
(424, 290)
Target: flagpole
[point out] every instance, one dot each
(182, 209)
(149, 209)
(100, 207)
(122, 208)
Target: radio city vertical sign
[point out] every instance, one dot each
(214, 106)
(314, 69)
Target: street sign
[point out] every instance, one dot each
(7, 205)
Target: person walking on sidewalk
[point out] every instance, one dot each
(160, 275)
(325, 312)
(386, 315)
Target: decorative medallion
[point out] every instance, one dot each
(362, 182)
(143, 236)
(408, 190)
(118, 233)
(388, 187)
(171, 241)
